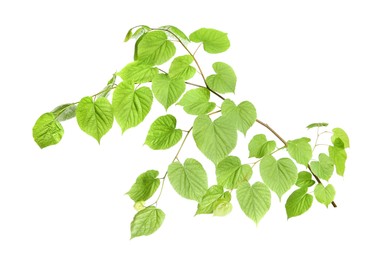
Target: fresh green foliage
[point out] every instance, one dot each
(298, 202)
(156, 72)
(188, 180)
(145, 186)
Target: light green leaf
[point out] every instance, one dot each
(222, 207)
(339, 156)
(324, 167)
(167, 90)
(254, 200)
(131, 106)
(163, 133)
(140, 31)
(224, 81)
(214, 41)
(300, 150)
(95, 118)
(47, 130)
(230, 172)
(176, 32)
(139, 205)
(259, 146)
(188, 180)
(298, 202)
(64, 112)
(304, 179)
(196, 102)
(181, 69)
(206, 205)
(341, 134)
(215, 139)
(324, 195)
(145, 186)
(313, 125)
(138, 72)
(279, 175)
(155, 48)
(244, 115)
(146, 222)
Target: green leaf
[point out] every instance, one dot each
(145, 186)
(279, 175)
(339, 156)
(131, 106)
(298, 202)
(47, 130)
(341, 134)
(140, 31)
(163, 133)
(167, 90)
(129, 35)
(324, 167)
(214, 41)
(196, 102)
(230, 172)
(206, 205)
(215, 139)
(224, 81)
(254, 200)
(146, 222)
(304, 179)
(95, 118)
(138, 72)
(176, 32)
(244, 115)
(317, 125)
(64, 112)
(324, 195)
(188, 180)
(222, 207)
(259, 146)
(181, 69)
(300, 150)
(155, 48)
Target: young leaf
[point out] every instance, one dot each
(47, 130)
(324, 195)
(155, 48)
(145, 186)
(131, 106)
(230, 172)
(243, 115)
(222, 207)
(339, 156)
(167, 90)
(163, 133)
(215, 139)
(95, 118)
(138, 72)
(279, 175)
(146, 222)
(259, 146)
(214, 41)
(298, 202)
(140, 31)
(300, 150)
(324, 167)
(181, 69)
(176, 32)
(188, 180)
(341, 134)
(206, 205)
(196, 102)
(317, 125)
(224, 81)
(254, 200)
(304, 179)
(64, 112)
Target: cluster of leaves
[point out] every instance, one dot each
(214, 132)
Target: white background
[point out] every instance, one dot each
(297, 61)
